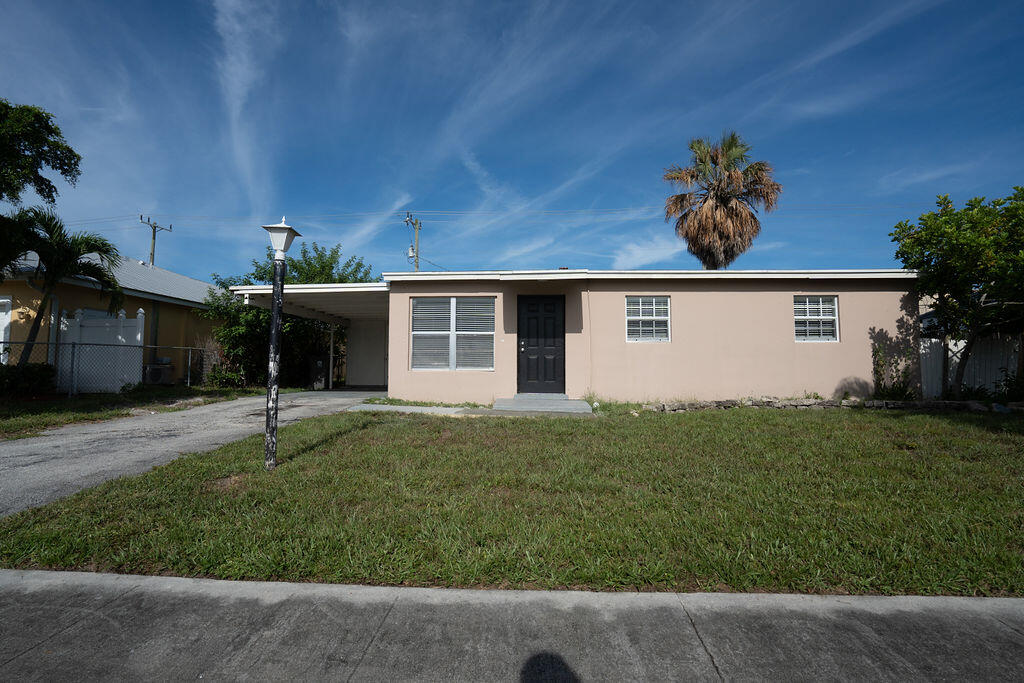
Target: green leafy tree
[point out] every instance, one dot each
(63, 255)
(970, 264)
(242, 331)
(15, 243)
(717, 216)
(30, 142)
(313, 265)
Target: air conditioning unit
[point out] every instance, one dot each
(158, 374)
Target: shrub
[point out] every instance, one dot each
(26, 380)
(1010, 388)
(222, 377)
(892, 372)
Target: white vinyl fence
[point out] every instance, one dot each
(990, 360)
(100, 355)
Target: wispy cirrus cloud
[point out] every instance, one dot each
(657, 248)
(894, 15)
(901, 179)
(534, 56)
(369, 228)
(250, 34)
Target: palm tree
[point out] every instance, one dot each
(718, 219)
(66, 255)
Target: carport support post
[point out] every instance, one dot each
(330, 362)
(281, 237)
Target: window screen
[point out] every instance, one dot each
(816, 318)
(647, 318)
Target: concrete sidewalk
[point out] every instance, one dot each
(78, 626)
(62, 461)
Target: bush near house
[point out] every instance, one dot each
(242, 331)
(31, 379)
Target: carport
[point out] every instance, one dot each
(361, 308)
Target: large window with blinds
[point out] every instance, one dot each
(452, 333)
(816, 318)
(647, 318)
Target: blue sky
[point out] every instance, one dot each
(524, 135)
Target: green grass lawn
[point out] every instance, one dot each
(27, 417)
(754, 500)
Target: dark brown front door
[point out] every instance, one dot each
(541, 344)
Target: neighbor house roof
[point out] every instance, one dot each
(138, 278)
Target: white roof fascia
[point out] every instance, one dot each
(859, 274)
(309, 289)
(847, 274)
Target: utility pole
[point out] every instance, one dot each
(414, 251)
(152, 240)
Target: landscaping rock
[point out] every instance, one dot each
(822, 404)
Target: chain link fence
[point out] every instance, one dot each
(84, 368)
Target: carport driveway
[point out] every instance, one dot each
(61, 461)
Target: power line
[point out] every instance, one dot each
(437, 265)
(439, 215)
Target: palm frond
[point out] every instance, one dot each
(718, 219)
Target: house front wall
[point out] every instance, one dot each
(729, 339)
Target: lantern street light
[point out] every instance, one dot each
(281, 237)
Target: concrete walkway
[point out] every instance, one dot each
(66, 625)
(61, 461)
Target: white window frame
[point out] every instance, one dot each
(834, 318)
(452, 335)
(667, 318)
(6, 315)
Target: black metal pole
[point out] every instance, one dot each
(270, 438)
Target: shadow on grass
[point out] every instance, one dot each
(327, 437)
(991, 422)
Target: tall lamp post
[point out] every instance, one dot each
(281, 237)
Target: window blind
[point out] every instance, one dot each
(452, 333)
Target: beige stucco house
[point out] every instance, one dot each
(623, 335)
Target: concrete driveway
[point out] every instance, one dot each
(68, 625)
(61, 461)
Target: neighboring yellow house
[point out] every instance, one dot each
(169, 301)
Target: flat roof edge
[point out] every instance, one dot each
(580, 274)
(329, 287)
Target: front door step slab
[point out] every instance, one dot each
(543, 403)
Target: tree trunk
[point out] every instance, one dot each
(33, 331)
(945, 368)
(961, 368)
